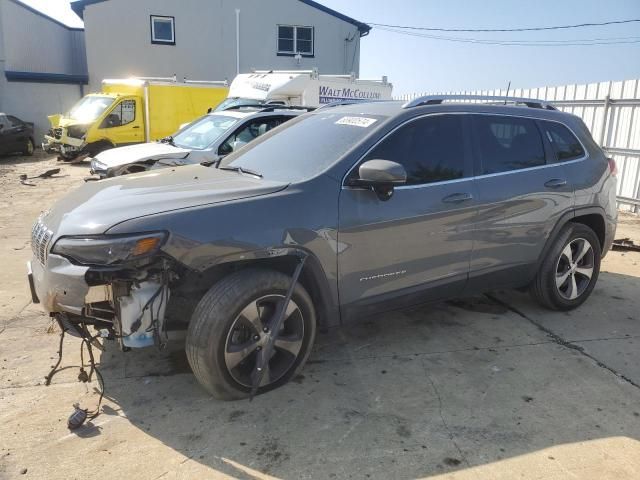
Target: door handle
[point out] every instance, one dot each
(136, 126)
(556, 183)
(457, 198)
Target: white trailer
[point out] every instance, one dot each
(302, 88)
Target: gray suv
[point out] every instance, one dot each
(346, 211)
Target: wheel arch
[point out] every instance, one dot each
(313, 279)
(592, 217)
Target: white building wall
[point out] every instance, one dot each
(35, 44)
(119, 44)
(33, 102)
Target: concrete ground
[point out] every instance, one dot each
(488, 387)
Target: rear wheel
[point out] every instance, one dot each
(29, 147)
(569, 273)
(230, 327)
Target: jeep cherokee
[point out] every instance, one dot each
(345, 211)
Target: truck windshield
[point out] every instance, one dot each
(90, 108)
(202, 133)
(303, 147)
(237, 102)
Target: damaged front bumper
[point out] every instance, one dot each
(130, 305)
(62, 144)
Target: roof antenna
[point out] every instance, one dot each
(508, 88)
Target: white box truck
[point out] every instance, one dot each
(302, 88)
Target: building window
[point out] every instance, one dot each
(163, 30)
(293, 40)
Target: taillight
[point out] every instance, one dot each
(613, 168)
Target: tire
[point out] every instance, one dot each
(219, 319)
(561, 282)
(95, 148)
(29, 148)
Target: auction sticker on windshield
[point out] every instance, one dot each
(363, 122)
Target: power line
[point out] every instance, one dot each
(528, 29)
(522, 43)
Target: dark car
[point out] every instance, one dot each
(16, 136)
(347, 211)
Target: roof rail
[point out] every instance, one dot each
(337, 103)
(265, 107)
(439, 99)
(259, 106)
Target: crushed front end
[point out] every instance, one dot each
(65, 137)
(118, 284)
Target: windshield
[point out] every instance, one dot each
(303, 147)
(90, 108)
(237, 102)
(202, 133)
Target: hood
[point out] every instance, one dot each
(117, 157)
(59, 120)
(97, 206)
(54, 120)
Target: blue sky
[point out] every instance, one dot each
(419, 64)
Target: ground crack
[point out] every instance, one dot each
(562, 342)
(444, 422)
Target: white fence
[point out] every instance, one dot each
(611, 110)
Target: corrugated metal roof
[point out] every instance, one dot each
(79, 5)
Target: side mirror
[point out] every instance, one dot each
(381, 176)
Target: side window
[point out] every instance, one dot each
(431, 149)
(507, 143)
(13, 121)
(122, 114)
(4, 123)
(565, 143)
(248, 133)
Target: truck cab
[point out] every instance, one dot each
(95, 123)
(128, 112)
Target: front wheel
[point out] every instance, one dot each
(569, 273)
(230, 326)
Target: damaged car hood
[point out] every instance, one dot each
(97, 206)
(117, 157)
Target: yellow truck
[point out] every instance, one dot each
(130, 111)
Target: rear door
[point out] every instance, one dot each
(522, 192)
(19, 133)
(420, 240)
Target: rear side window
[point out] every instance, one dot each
(565, 144)
(507, 143)
(14, 121)
(430, 149)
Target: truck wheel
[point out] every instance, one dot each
(95, 148)
(569, 272)
(29, 148)
(229, 326)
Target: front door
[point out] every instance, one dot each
(522, 193)
(124, 124)
(417, 245)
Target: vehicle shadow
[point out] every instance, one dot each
(409, 394)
